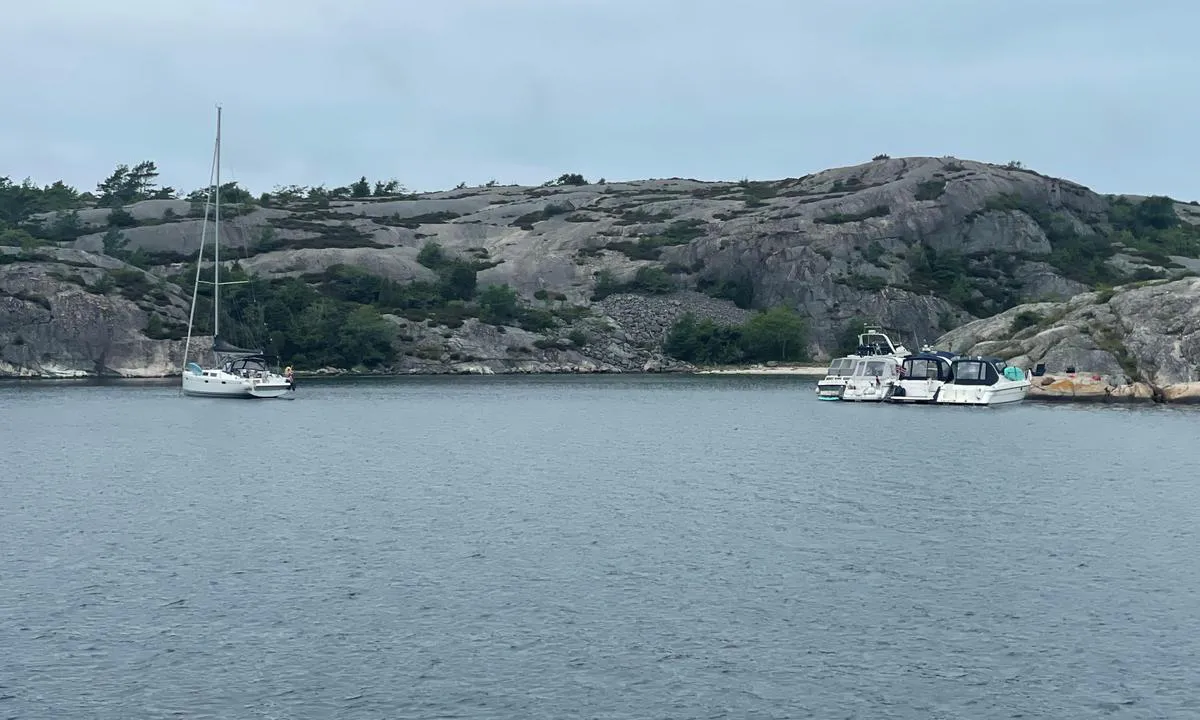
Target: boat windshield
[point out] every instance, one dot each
(925, 368)
(246, 367)
(841, 366)
(975, 372)
(875, 344)
(971, 371)
(876, 368)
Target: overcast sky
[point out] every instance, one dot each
(432, 93)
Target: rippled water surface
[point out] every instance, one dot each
(604, 547)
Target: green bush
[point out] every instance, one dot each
(1025, 319)
(738, 289)
(842, 218)
(120, 218)
(648, 280)
(930, 190)
(777, 334)
(498, 305)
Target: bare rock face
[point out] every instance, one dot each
(1148, 333)
(836, 245)
(59, 318)
(399, 264)
(592, 345)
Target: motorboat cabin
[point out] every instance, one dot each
(872, 379)
(922, 376)
(983, 381)
(830, 387)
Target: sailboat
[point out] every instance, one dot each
(238, 372)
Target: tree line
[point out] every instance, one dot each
(129, 184)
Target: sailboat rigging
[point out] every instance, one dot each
(238, 372)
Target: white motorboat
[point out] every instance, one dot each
(830, 387)
(983, 381)
(922, 376)
(872, 379)
(239, 372)
(850, 378)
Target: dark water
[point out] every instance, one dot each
(592, 548)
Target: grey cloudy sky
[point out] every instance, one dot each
(437, 92)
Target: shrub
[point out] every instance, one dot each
(930, 190)
(778, 334)
(119, 217)
(646, 281)
(739, 290)
(1025, 319)
(842, 218)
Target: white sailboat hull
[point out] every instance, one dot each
(219, 384)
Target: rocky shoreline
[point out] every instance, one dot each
(1079, 388)
(1096, 389)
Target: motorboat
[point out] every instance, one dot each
(872, 379)
(831, 386)
(977, 380)
(922, 376)
(883, 359)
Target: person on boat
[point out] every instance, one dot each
(287, 373)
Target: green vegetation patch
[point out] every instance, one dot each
(646, 281)
(842, 218)
(930, 190)
(777, 334)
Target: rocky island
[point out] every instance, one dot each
(583, 276)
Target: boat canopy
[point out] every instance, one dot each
(977, 370)
(250, 363)
(928, 365)
(841, 366)
(875, 367)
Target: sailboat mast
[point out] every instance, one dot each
(217, 237)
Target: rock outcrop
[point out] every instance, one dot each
(1140, 341)
(69, 313)
(919, 245)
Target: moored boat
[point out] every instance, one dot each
(831, 386)
(872, 379)
(846, 374)
(979, 380)
(238, 372)
(922, 376)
